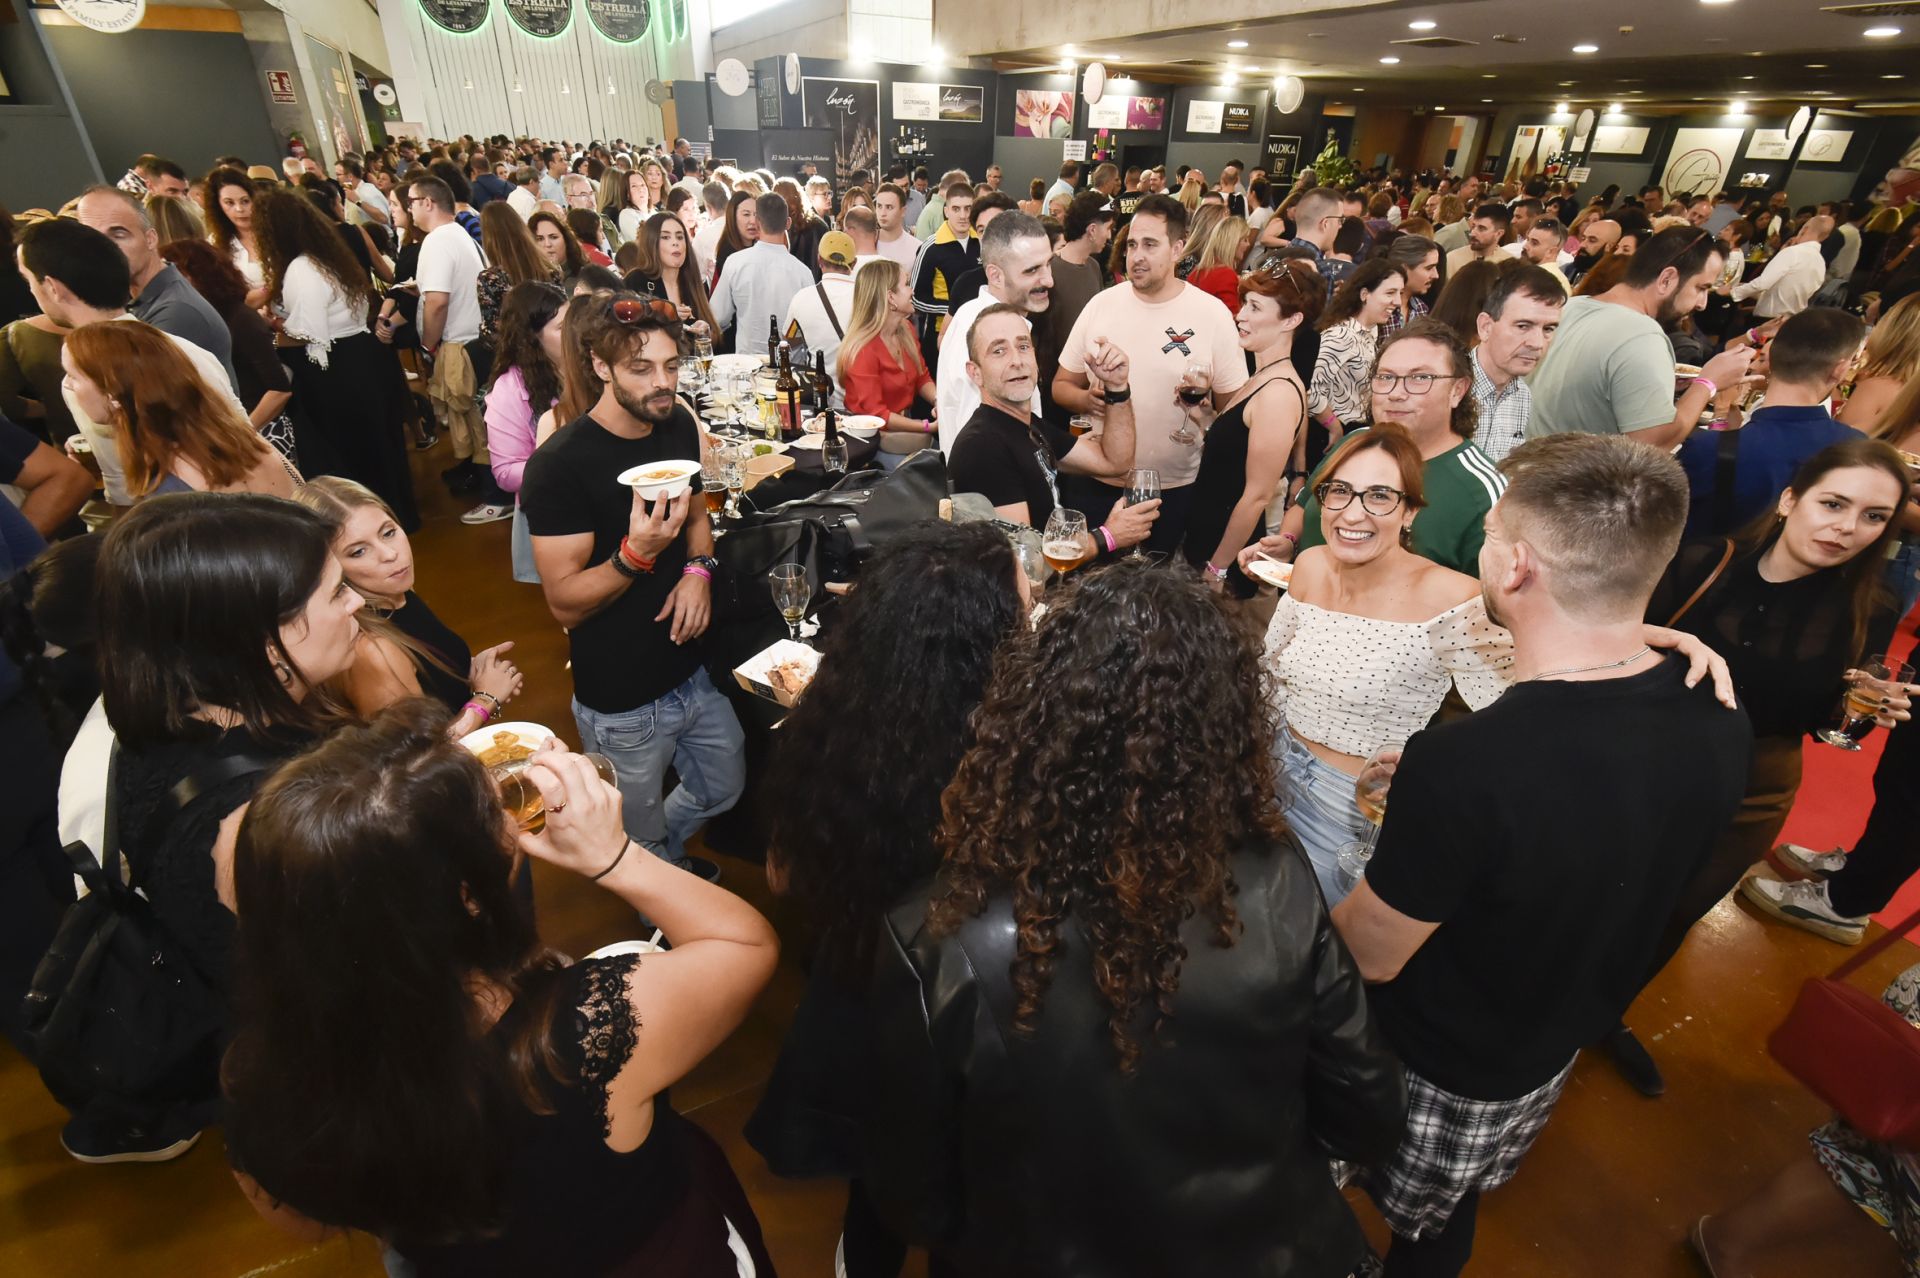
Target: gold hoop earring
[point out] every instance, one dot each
(283, 672)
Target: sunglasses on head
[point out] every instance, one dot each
(629, 310)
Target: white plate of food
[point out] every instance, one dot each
(1271, 571)
(730, 365)
(858, 425)
(499, 744)
(766, 447)
(660, 479)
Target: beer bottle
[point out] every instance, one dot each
(833, 448)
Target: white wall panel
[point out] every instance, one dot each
(467, 83)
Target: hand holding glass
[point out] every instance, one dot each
(1196, 383)
(1370, 796)
(1142, 486)
(1870, 688)
(522, 798)
(1065, 542)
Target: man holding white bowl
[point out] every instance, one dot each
(630, 575)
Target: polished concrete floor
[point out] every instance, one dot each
(1609, 1190)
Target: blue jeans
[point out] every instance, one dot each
(1903, 576)
(692, 728)
(1317, 799)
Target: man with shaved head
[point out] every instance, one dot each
(1596, 237)
(1792, 276)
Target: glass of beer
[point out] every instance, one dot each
(1142, 485)
(1080, 424)
(1064, 542)
(713, 487)
(1860, 707)
(1370, 796)
(522, 798)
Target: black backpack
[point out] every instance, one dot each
(115, 1008)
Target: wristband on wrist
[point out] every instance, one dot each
(697, 570)
(633, 558)
(488, 698)
(1713, 387)
(479, 709)
(1753, 335)
(1106, 535)
(1292, 537)
(1216, 573)
(618, 858)
(1120, 396)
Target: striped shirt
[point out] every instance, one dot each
(1461, 486)
(1503, 412)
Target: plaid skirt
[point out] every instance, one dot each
(1454, 1146)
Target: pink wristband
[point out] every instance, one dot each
(1292, 537)
(1107, 537)
(485, 713)
(1713, 387)
(696, 570)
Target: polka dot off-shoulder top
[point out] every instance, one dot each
(1354, 684)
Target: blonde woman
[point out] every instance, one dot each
(175, 218)
(879, 365)
(1890, 362)
(1191, 190)
(1214, 270)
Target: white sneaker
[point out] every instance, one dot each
(485, 513)
(1805, 905)
(1814, 865)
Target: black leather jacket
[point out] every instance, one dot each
(1016, 1155)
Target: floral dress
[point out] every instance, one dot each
(1882, 1181)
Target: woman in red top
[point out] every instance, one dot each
(1218, 269)
(879, 365)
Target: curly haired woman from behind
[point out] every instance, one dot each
(1120, 1027)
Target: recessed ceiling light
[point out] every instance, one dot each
(1737, 107)
(1816, 66)
(1389, 62)
(1488, 75)
(1486, 99)
(1423, 24)
(1893, 77)
(1713, 39)
(1559, 108)
(1716, 1)
(1236, 44)
(1746, 77)
(1586, 48)
(1566, 84)
(1613, 108)
(1359, 90)
(1881, 33)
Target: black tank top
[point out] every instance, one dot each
(1217, 488)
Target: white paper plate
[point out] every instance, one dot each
(1272, 572)
(530, 734)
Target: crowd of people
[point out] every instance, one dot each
(1124, 872)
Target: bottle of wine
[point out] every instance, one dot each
(786, 391)
(822, 384)
(833, 449)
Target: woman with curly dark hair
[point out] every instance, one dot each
(554, 238)
(902, 673)
(264, 386)
(348, 389)
(1125, 951)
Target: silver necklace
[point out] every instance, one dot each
(1611, 665)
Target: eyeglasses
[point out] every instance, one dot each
(1377, 500)
(1416, 383)
(630, 310)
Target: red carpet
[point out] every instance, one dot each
(1836, 791)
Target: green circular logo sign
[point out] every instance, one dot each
(462, 17)
(621, 21)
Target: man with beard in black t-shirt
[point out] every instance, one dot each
(632, 581)
(1510, 914)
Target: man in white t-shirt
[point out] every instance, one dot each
(1017, 257)
(894, 240)
(824, 309)
(364, 201)
(1165, 325)
(448, 276)
(78, 276)
(524, 199)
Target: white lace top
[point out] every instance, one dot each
(1354, 684)
(317, 310)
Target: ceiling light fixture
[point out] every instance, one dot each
(1229, 80)
(1423, 24)
(1586, 48)
(1881, 33)
(1389, 62)
(1613, 108)
(1893, 77)
(1488, 75)
(1486, 99)
(1439, 108)
(1816, 66)
(1716, 1)
(1560, 108)
(1236, 44)
(1737, 107)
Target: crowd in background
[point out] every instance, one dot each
(1121, 875)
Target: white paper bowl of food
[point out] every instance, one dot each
(732, 365)
(656, 480)
(500, 744)
(858, 425)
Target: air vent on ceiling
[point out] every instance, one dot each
(1436, 42)
(1188, 62)
(1898, 9)
(1509, 39)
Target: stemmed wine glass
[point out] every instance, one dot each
(791, 591)
(1196, 383)
(1142, 485)
(733, 473)
(1860, 707)
(713, 485)
(1370, 796)
(1064, 543)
